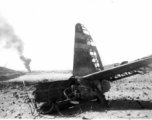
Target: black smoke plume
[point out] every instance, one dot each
(27, 62)
(8, 40)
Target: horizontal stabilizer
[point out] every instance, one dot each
(121, 71)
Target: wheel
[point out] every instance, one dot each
(105, 86)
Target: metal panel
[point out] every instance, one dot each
(86, 57)
(136, 65)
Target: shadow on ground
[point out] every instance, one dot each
(97, 107)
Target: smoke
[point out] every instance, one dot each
(8, 40)
(27, 62)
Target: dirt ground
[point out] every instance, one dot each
(125, 97)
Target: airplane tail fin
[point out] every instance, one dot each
(86, 56)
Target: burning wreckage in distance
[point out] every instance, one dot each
(89, 81)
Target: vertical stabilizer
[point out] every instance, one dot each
(86, 56)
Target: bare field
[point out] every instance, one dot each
(39, 76)
(124, 96)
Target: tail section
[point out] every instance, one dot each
(86, 56)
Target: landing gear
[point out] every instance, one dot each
(101, 98)
(100, 93)
(105, 87)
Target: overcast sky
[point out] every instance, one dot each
(121, 30)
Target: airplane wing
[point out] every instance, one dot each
(121, 71)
